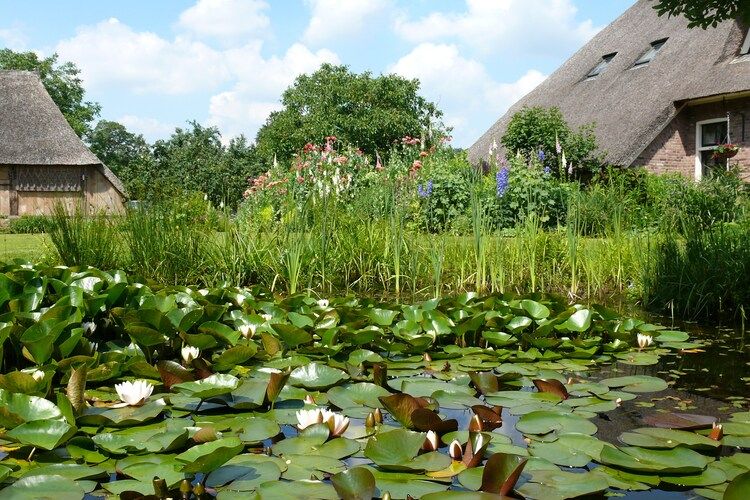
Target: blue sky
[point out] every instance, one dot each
(153, 65)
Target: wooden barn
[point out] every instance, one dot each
(42, 160)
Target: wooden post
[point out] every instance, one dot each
(12, 192)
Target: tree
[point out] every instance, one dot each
(61, 81)
(705, 13)
(118, 148)
(537, 131)
(359, 109)
(195, 159)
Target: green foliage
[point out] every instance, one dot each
(365, 111)
(705, 13)
(30, 224)
(536, 129)
(195, 160)
(62, 83)
(530, 191)
(124, 152)
(451, 179)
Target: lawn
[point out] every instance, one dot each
(24, 246)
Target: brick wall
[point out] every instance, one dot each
(673, 150)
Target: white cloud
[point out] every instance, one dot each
(226, 18)
(333, 19)
(151, 128)
(13, 37)
(245, 107)
(504, 27)
(470, 98)
(111, 52)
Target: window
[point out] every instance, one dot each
(597, 70)
(649, 55)
(745, 50)
(708, 135)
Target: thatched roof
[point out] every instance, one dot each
(33, 131)
(630, 106)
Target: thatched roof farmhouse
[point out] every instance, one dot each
(42, 160)
(661, 95)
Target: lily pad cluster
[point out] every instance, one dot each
(114, 387)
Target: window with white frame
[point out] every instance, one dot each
(650, 53)
(601, 65)
(745, 50)
(708, 135)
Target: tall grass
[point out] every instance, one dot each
(82, 240)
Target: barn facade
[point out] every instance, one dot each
(43, 162)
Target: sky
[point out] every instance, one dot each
(154, 65)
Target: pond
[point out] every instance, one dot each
(108, 383)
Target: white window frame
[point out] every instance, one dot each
(746, 46)
(699, 140)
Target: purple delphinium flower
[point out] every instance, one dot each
(501, 181)
(542, 156)
(547, 170)
(426, 190)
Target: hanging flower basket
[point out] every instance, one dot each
(725, 151)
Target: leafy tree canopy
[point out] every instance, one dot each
(117, 147)
(536, 129)
(194, 159)
(61, 81)
(359, 109)
(705, 13)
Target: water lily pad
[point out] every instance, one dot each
(244, 473)
(16, 409)
(316, 376)
(649, 437)
(675, 461)
(255, 430)
(400, 485)
(51, 487)
(123, 417)
(210, 387)
(398, 450)
(543, 422)
(554, 485)
(301, 490)
(210, 456)
(356, 483)
(738, 488)
(356, 395)
(569, 450)
(45, 434)
(636, 383)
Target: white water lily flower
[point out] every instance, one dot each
(644, 340)
(337, 424)
(455, 451)
(306, 418)
(190, 353)
(247, 330)
(88, 327)
(266, 317)
(37, 375)
(134, 393)
(323, 303)
(431, 442)
(479, 443)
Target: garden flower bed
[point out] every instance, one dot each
(110, 386)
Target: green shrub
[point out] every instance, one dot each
(30, 224)
(537, 129)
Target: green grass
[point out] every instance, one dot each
(33, 247)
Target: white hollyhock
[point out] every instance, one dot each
(134, 393)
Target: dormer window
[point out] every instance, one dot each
(599, 68)
(745, 50)
(649, 55)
